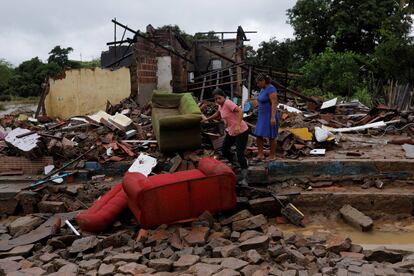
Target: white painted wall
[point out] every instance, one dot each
(164, 73)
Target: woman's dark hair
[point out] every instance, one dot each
(263, 77)
(218, 92)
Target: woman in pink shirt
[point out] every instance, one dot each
(236, 129)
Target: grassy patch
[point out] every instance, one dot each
(28, 100)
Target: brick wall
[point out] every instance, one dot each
(144, 69)
(30, 167)
(146, 61)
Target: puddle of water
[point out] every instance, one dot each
(383, 233)
(12, 107)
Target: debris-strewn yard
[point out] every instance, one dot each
(81, 158)
(118, 171)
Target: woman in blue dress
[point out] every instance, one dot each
(267, 120)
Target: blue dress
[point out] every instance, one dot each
(263, 127)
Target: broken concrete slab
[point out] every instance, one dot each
(161, 264)
(22, 250)
(99, 115)
(120, 121)
(257, 175)
(338, 243)
(84, 244)
(8, 206)
(134, 269)
(356, 218)
(249, 223)
(258, 243)
(246, 235)
(185, 262)
(51, 207)
(90, 264)
(7, 266)
(29, 145)
(264, 205)
(126, 257)
(253, 256)
(9, 191)
(409, 150)
(231, 250)
(33, 271)
(28, 201)
(197, 236)
(23, 225)
(233, 263)
(227, 272)
(244, 214)
(204, 269)
(106, 269)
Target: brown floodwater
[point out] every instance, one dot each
(386, 231)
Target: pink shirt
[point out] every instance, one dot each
(230, 117)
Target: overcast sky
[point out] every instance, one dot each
(30, 28)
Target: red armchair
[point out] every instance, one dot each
(167, 198)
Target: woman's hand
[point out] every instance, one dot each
(254, 102)
(237, 130)
(273, 121)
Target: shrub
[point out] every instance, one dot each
(332, 72)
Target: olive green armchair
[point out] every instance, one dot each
(176, 120)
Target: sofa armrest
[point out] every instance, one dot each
(133, 183)
(188, 105)
(210, 167)
(166, 100)
(180, 121)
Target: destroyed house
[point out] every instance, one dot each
(161, 59)
(157, 61)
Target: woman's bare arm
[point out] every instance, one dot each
(273, 100)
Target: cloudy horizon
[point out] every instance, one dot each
(32, 28)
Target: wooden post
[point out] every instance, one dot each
(249, 83)
(231, 86)
(238, 58)
(202, 89)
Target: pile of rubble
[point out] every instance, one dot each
(109, 132)
(299, 123)
(242, 244)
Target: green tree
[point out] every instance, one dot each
(355, 25)
(334, 73)
(281, 55)
(310, 20)
(6, 74)
(394, 59)
(176, 29)
(60, 56)
(29, 77)
(360, 25)
(250, 54)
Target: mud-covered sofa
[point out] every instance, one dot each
(176, 119)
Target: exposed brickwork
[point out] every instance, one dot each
(144, 69)
(10, 163)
